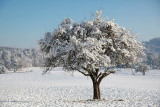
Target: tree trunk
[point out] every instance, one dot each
(143, 72)
(96, 91)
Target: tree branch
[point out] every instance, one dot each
(99, 75)
(86, 69)
(104, 75)
(91, 73)
(97, 70)
(100, 78)
(83, 73)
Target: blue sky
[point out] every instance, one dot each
(24, 22)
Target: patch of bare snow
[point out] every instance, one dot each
(59, 88)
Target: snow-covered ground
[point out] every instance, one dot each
(58, 88)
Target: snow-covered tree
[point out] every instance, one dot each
(24, 62)
(142, 68)
(6, 56)
(14, 63)
(93, 47)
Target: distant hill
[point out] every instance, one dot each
(153, 45)
(153, 52)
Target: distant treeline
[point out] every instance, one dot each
(16, 58)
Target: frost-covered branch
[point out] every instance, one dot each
(85, 74)
(104, 75)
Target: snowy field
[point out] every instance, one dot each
(62, 89)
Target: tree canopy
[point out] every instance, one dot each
(93, 44)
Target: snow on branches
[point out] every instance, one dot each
(94, 44)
